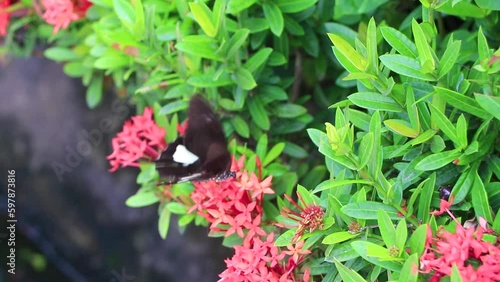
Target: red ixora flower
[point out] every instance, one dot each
(233, 206)
(310, 217)
(60, 13)
(4, 16)
(141, 138)
(476, 260)
(260, 260)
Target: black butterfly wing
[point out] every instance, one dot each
(205, 139)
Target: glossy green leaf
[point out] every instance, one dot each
(405, 66)
(368, 210)
(409, 272)
(112, 62)
(424, 202)
(289, 110)
(386, 228)
(236, 41)
(203, 17)
(376, 254)
(164, 222)
(489, 103)
(444, 124)
(366, 150)
(295, 150)
(60, 54)
(261, 148)
(462, 102)
(399, 41)
(480, 201)
(449, 58)
(348, 274)
(208, 80)
(488, 4)
(94, 92)
(125, 12)
(240, 126)
(418, 239)
(257, 60)
(401, 127)
(435, 161)
(355, 58)
(462, 131)
(142, 199)
(273, 153)
(244, 79)
(236, 6)
(174, 107)
(464, 184)
(177, 208)
(375, 101)
(294, 6)
(258, 113)
(482, 46)
(274, 16)
(423, 48)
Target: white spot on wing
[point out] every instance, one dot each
(184, 156)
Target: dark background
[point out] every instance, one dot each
(77, 228)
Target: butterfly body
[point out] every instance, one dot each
(201, 154)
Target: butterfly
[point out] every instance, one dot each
(201, 154)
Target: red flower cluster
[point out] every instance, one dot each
(141, 138)
(259, 260)
(310, 217)
(4, 16)
(233, 206)
(476, 260)
(60, 13)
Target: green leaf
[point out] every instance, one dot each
(258, 113)
(355, 58)
(208, 80)
(257, 60)
(365, 151)
(375, 101)
(443, 123)
(142, 199)
(200, 46)
(174, 107)
(401, 127)
(489, 4)
(61, 54)
(94, 92)
(462, 102)
(294, 6)
(491, 104)
(285, 239)
(449, 58)
(417, 240)
(275, 18)
(236, 6)
(295, 150)
(338, 237)
(139, 24)
(482, 46)
(348, 274)
(326, 185)
(125, 12)
(289, 110)
(480, 199)
(244, 79)
(386, 228)
(236, 41)
(409, 272)
(177, 208)
(203, 17)
(435, 161)
(112, 62)
(399, 41)
(273, 153)
(240, 126)
(368, 210)
(261, 148)
(405, 66)
(164, 222)
(376, 255)
(462, 131)
(423, 48)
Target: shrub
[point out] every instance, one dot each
(403, 115)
